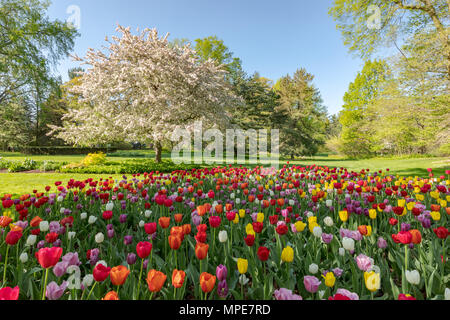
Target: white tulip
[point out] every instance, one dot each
(341, 252)
(317, 231)
(92, 219)
(349, 244)
(44, 226)
(83, 216)
(109, 206)
(309, 214)
(232, 195)
(88, 280)
(141, 223)
(62, 210)
(447, 294)
(23, 257)
(223, 236)
(328, 221)
(256, 201)
(31, 240)
(329, 203)
(60, 199)
(321, 293)
(291, 202)
(413, 277)
(148, 213)
(313, 268)
(243, 280)
(71, 235)
(238, 201)
(99, 237)
(271, 193)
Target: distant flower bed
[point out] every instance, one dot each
(299, 233)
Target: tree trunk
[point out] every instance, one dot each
(158, 151)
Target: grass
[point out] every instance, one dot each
(19, 183)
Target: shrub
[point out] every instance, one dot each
(37, 150)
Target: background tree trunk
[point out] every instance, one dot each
(158, 151)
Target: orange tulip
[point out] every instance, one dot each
(119, 275)
(201, 211)
(416, 236)
(207, 282)
(164, 222)
(5, 221)
(178, 217)
(35, 222)
(155, 280)
(207, 206)
(228, 207)
(435, 207)
(219, 209)
(251, 198)
(201, 250)
(112, 295)
(187, 229)
(280, 202)
(447, 210)
(175, 241)
(178, 278)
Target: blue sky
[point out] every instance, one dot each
(271, 37)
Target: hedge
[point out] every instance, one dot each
(33, 150)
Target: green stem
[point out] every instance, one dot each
(6, 265)
(45, 284)
(92, 289)
(140, 277)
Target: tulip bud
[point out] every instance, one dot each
(31, 240)
(313, 268)
(349, 244)
(99, 237)
(23, 257)
(328, 221)
(413, 277)
(44, 226)
(223, 236)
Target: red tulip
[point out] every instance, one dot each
(250, 240)
(8, 293)
(441, 232)
(143, 249)
(150, 228)
(101, 273)
(13, 237)
(49, 257)
(263, 253)
(404, 237)
(214, 221)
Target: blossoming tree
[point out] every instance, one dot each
(141, 90)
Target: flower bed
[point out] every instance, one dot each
(234, 233)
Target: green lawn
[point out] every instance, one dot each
(19, 183)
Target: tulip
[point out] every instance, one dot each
(263, 253)
(119, 275)
(287, 255)
(381, 243)
(348, 294)
(413, 277)
(175, 242)
(223, 236)
(403, 296)
(328, 221)
(48, 257)
(143, 249)
(286, 294)
(313, 268)
(348, 244)
(330, 279)
(44, 226)
(364, 262)
(317, 232)
(207, 282)
(178, 277)
(101, 272)
(155, 280)
(112, 295)
(242, 265)
(201, 250)
(372, 281)
(8, 293)
(311, 283)
(222, 289)
(54, 292)
(91, 220)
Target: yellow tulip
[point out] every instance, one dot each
(242, 265)
(372, 214)
(312, 219)
(288, 254)
(330, 279)
(401, 202)
(312, 226)
(343, 215)
(236, 219)
(410, 205)
(242, 213)
(420, 197)
(260, 217)
(436, 215)
(300, 226)
(249, 229)
(372, 281)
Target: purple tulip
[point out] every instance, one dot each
(110, 233)
(221, 272)
(72, 259)
(127, 240)
(364, 262)
(382, 244)
(54, 292)
(222, 289)
(351, 295)
(327, 238)
(311, 283)
(286, 294)
(60, 269)
(123, 218)
(131, 259)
